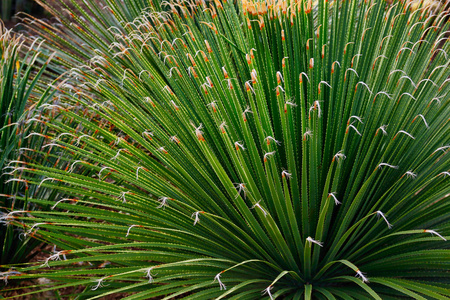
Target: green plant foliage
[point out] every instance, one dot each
(229, 150)
(21, 95)
(6, 9)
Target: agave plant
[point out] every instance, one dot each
(233, 149)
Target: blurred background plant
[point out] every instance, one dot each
(10, 7)
(249, 143)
